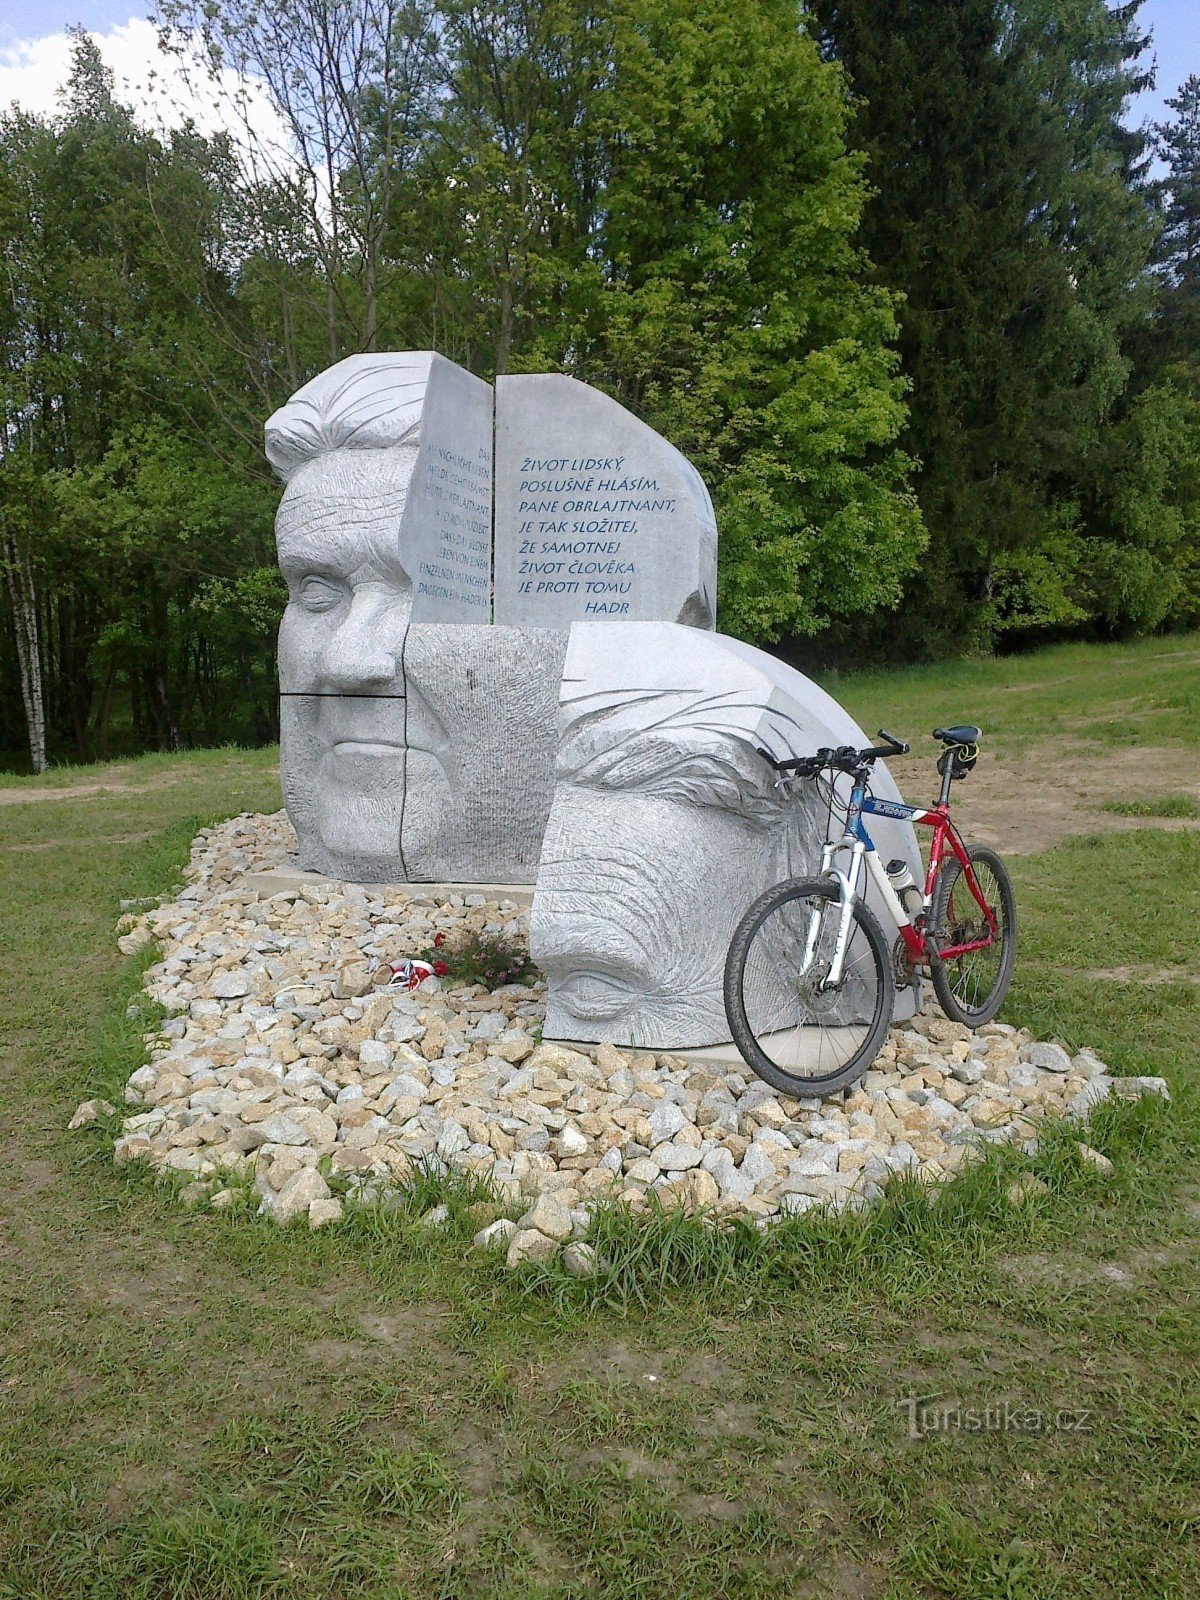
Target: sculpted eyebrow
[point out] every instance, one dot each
(336, 538)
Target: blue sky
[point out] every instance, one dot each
(1176, 28)
(1175, 23)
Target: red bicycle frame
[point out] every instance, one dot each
(943, 830)
(936, 817)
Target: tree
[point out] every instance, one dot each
(1010, 213)
(17, 542)
(348, 86)
(664, 205)
(111, 522)
(1179, 246)
(1140, 564)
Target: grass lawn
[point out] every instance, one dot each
(1088, 695)
(195, 1405)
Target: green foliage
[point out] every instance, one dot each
(1011, 212)
(883, 276)
(665, 206)
(197, 1404)
(1140, 564)
(123, 484)
(745, 326)
(1179, 247)
(1170, 805)
(179, 543)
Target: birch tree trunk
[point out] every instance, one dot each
(23, 598)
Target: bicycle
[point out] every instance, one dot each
(809, 967)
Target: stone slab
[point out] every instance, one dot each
(722, 1055)
(445, 776)
(446, 532)
(596, 514)
(278, 880)
(481, 733)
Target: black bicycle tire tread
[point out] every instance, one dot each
(735, 1012)
(947, 877)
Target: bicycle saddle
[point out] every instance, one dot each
(961, 733)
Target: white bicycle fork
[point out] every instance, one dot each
(848, 897)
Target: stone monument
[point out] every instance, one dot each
(585, 726)
(416, 741)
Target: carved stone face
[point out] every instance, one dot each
(638, 896)
(354, 732)
(418, 751)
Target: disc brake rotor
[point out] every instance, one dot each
(819, 1001)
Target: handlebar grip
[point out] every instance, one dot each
(807, 765)
(791, 764)
(899, 747)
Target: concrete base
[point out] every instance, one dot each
(724, 1055)
(277, 880)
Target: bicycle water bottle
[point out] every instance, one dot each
(900, 874)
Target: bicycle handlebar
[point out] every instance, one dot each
(844, 759)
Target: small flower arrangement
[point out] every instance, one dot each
(487, 958)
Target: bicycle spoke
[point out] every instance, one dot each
(807, 1028)
(973, 977)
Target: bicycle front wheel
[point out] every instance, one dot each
(800, 1033)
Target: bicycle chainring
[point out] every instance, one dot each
(903, 970)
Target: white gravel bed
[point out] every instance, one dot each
(283, 1060)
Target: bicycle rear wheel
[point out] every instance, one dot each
(971, 989)
(798, 1035)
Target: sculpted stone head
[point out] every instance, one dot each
(346, 447)
(417, 741)
(666, 824)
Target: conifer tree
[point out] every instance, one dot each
(1010, 212)
(1179, 247)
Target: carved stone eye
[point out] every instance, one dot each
(319, 593)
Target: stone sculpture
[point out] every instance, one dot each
(666, 823)
(423, 739)
(416, 741)
(597, 516)
(403, 441)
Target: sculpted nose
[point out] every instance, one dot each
(364, 653)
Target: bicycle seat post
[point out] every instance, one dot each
(946, 766)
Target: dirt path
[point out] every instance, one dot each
(1058, 791)
(1052, 793)
(30, 792)
(22, 796)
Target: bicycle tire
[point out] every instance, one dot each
(942, 915)
(735, 999)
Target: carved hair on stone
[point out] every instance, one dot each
(366, 402)
(687, 745)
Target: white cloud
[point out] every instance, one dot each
(162, 93)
